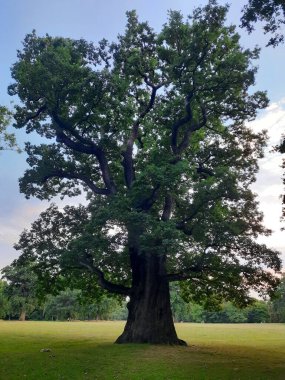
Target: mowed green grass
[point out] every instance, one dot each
(85, 350)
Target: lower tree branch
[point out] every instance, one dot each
(81, 177)
(186, 274)
(204, 172)
(147, 202)
(83, 145)
(105, 284)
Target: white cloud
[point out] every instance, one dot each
(273, 120)
(18, 220)
(269, 186)
(19, 216)
(13, 224)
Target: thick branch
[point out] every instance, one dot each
(61, 137)
(81, 177)
(168, 202)
(184, 228)
(128, 153)
(105, 284)
(190, 130)
(186, 274)
(176, 126)
(181, 225)
(147, 203)
(87, 147)
(35, 115)
(204, 171)
(65, 126)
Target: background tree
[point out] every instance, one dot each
(71, 304)
(152, 129)
(104, 308)
(227, 313)
(4, 302)
(20, 289)
(277, 308)
(258, 312)
(271, 13)
(7, 140)
(63, 306)
(183, 311)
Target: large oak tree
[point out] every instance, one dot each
(152, 129)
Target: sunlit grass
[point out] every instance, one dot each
(85, 350)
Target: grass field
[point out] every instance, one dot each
(85, 350)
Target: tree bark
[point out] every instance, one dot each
(150, 317)
(22, 316)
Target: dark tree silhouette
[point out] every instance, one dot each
(152, 129)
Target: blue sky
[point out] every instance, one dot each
(93, 20)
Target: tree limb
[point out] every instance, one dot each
(105, 284)
(185, 275)
(128, 153)
(176, 126)
(191, 129)
(205, 172)
(85, 146)
(168, 202)
(35, 115)
(64, 126)
(147, 203)
(81, 177)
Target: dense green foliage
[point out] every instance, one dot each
(151, 128)
(20, 289)
(4, 302)
(19, 299)
(226, 312)
(70, 305)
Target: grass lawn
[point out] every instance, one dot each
(85, 350)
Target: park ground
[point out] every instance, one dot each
(85, 350)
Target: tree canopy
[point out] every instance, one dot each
(20, 288)
(151, 129)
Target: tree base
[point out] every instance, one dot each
(178, 342)
(150, 319)
(132, 338)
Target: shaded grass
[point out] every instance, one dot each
(85, 350)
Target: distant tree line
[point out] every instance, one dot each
(257, 312)
(19, 299)
(67, 305)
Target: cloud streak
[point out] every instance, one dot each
(269, 186)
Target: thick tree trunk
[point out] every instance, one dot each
(22, 316)
(150, 317)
